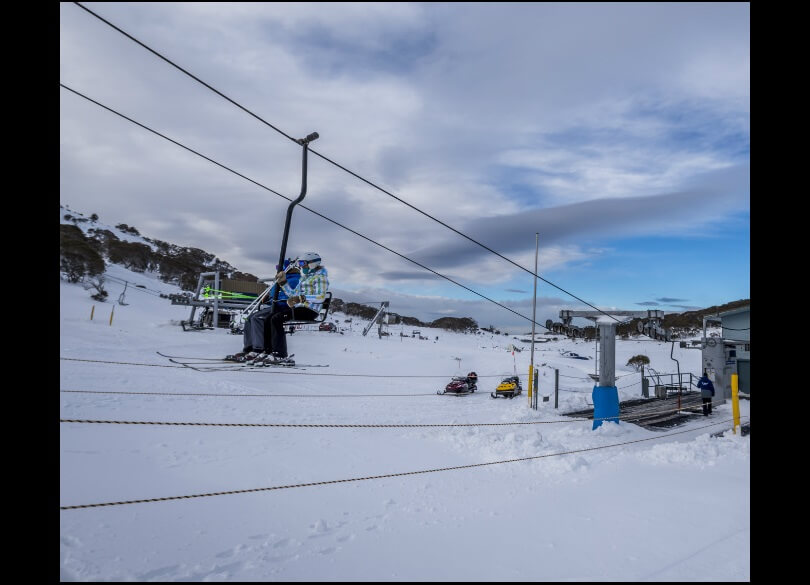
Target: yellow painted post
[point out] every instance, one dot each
(111, 314)
(735, 402)
(531, 380)
(93, 310)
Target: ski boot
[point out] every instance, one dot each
(277, 360)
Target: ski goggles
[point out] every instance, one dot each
(303, 263)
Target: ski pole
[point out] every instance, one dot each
(256, 303)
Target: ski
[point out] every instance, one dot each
(192, 367)
(225, 367)
(204, 364)
(238, 367)
(201, 362)
(188, 357)
(297, 366)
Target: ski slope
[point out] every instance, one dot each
(616, 503)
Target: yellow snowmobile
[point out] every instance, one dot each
(508, 388)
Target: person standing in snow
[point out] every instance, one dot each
(706, 393)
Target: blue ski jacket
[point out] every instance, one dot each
(706, 387)
(292, 280)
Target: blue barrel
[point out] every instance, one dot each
(605, 405)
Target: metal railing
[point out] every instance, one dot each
(668, 384)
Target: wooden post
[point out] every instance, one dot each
(93, 310)
(111, 315)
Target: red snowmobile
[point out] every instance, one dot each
(461, 385)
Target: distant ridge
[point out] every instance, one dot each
(86, 246)
(686, 321)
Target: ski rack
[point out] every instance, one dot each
(217, 305)
(377, 318)
(214, 304)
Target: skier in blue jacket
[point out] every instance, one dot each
(706, 393)
(255, 326)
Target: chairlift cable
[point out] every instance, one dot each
(302, 205)
(325, 158)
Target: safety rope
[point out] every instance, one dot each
(243, 395)
(575, 391)
(311, 426)
(336, 481)
(650, 413)
(628, 385)
(277, 370)
(119, 363)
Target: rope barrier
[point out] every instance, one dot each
(243, 395)
(120, 363)
(575, 391)
(235, 368)
(389, 475)
(648, 414)
(312, 426)
(628, 386)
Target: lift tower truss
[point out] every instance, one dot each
(605, 395)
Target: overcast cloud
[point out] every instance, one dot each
(599, 126)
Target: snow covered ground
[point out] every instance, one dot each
(593, 505)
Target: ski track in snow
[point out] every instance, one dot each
(586, 516)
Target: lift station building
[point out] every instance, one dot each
(730, 353)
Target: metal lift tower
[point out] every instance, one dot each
(605, 394)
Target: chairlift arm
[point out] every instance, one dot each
(322, 313)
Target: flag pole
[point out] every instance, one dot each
(532, 381)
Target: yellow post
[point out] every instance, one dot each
(111, 314)
(735, 402)
(93, 310)
(531, 383)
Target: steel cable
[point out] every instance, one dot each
(402, 474)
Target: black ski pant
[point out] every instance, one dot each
(253, 333)
(274, 327)
(254, 330)
(707, 406)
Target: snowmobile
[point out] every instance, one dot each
(461, 385)
(508, 388)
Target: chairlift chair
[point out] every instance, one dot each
(322, 313)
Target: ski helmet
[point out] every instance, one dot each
(311, 258)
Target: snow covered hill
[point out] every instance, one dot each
(87, 246)
(508, 494)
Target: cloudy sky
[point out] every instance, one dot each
(618, 132)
